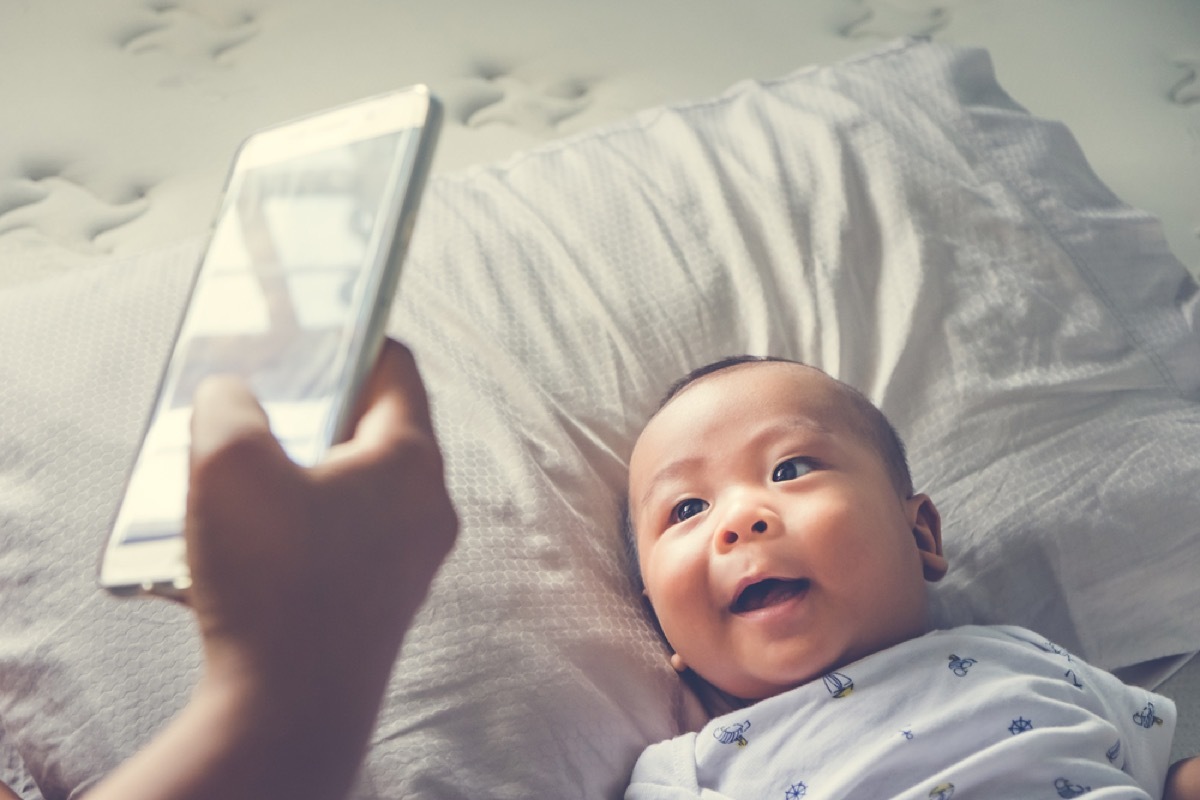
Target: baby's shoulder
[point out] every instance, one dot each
(1000, 637)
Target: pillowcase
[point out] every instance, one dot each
(896, 220)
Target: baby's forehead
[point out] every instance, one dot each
(755, 397)
(796, 389)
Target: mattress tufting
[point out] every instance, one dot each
(121, 117)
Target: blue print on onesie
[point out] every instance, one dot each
(960, 666)
(733, 734)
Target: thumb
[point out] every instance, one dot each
(235, 463)
(224, 411)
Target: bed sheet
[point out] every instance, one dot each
(121, 117)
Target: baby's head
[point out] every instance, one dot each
(777, 532)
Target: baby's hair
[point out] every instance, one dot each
(867, 421)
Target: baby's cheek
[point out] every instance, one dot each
(834, 529)
(679, 587)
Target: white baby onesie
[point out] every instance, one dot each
(973, 712)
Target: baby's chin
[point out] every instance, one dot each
(750, 690)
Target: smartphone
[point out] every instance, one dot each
(292, 295)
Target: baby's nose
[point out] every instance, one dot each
(731, 536)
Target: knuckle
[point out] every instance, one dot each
(417, 464)
(415, 451)
(448, 527)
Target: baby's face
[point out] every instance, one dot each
(772, 543)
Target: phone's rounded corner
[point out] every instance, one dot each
(176, 589)
(119, 591)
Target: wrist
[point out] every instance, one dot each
(289, 736)
(236, 741)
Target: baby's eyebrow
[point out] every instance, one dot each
(670, 472)
(791, 425)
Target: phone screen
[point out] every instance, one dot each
(282, 290)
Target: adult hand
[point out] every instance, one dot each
(335, 559)
(304, 582)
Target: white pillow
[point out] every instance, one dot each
(896, 220)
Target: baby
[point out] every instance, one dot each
(786, 558)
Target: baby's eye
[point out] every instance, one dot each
(791, 469)
(687, 508)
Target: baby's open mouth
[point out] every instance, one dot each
(768, 592)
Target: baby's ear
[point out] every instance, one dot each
(926, 525)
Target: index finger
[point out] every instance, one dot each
(394, 402)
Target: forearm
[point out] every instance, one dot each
(232, 744)
(1183, 780)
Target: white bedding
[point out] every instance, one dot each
(136, 109)
(896, 220)
(121, 116)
